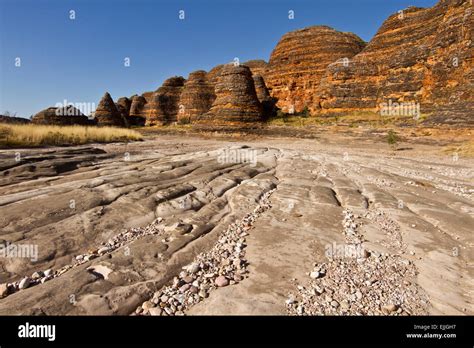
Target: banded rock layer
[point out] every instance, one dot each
(236, 99)
(197, 97)
(164, 104)
(299, 61)
(418, 55)
(107, 113)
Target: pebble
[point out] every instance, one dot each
(390, 308)
(3, 290)
(48, 272)
(221, 281)
(188, 279)
(315, 275)
(148, 305)
(24, 283)
(155, 311)
(37, 275)
(103, 250)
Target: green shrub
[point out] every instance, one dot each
(392, 138)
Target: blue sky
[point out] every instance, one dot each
(78, 60)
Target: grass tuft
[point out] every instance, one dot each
(31, 135)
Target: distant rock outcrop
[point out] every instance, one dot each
(107, 113)
(13, 120)
(236, 99)
(196, 98)
(299, 61)
(418, 56)
(61, 116)
(164, 104)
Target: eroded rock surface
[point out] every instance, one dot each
(116, 224)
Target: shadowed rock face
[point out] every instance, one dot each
(64, 116)
(107, 113)
(419, 55)
(197, 97)
(268, 103)
(137, 105)
(164, 104)
(299, 61)
(236, 98)
(123, 105)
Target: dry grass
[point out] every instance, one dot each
(465, 149)
(28, 135)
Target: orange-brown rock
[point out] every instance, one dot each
(214, 73)
(299, 61)
(257, 67)
(107, 113)
(164, 104)
(61, 116)
(420, 56)
(236, 100)
(196, 98)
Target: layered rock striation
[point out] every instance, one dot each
(107, 113)
(299, 61)
(196, 98)
(422, 56)
(236, 98)
(163, 107)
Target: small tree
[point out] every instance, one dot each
(392, 139)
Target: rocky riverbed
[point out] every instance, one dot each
(189, 226)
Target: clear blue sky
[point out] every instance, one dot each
(80, 59)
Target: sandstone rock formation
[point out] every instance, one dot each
(137, 105)
(62, 116)
(107, 113)
(214, 73)
(164, 104)
(257, 66)
(268, 103)
(236, 99)
(419, 55)
(123, 105)
(196, 98)
(299, 61)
